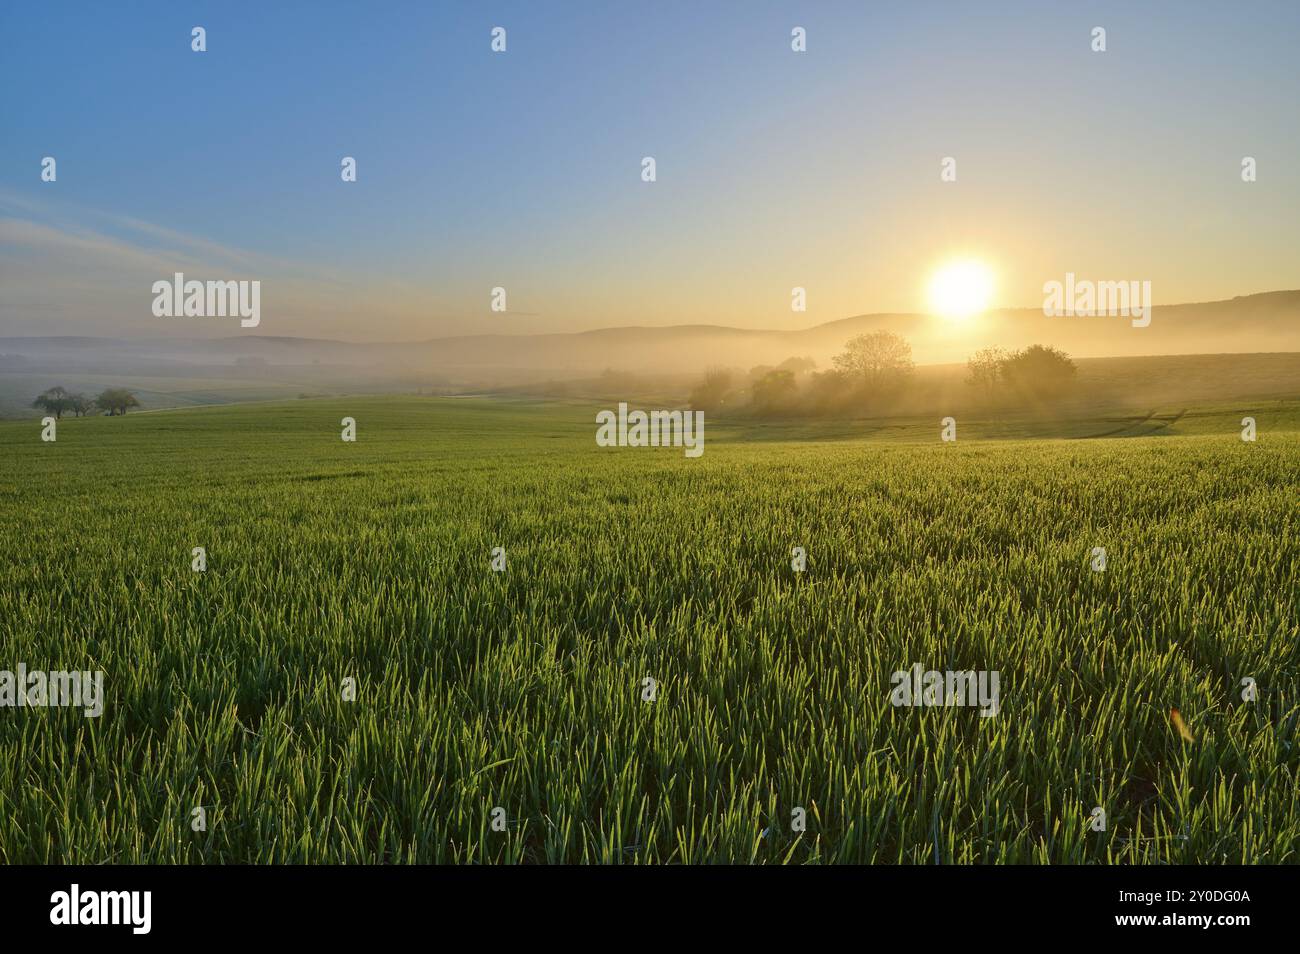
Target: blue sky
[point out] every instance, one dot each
(521, 169)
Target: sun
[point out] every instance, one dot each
(961, 289)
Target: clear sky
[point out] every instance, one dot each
(523, 169)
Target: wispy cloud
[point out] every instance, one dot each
(132, 240)
(92, 271)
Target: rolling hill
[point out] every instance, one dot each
(281, 366)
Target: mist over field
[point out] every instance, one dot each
(171, 370)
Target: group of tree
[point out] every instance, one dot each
(874, 374)
(873, 368)
(59, 401)
(773, 388)
(1038, 372)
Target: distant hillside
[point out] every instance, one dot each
(1143, 383)
(1251, 324)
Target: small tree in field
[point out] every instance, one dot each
(1040, 371)
(711, 393)
(116, 400)
(54, 401)
(985, 369)
(773, 390)
(80, 405)
(878, 360)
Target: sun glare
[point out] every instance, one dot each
(961, 289)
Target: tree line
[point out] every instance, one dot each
(59, 401)
(874, 370)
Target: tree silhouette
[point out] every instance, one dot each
(116, 400)
(711, 393)
(54, 401)
(877, 359)
(1040, 371)
(985, 367)
(773, 390)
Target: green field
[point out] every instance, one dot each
(524, 689)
